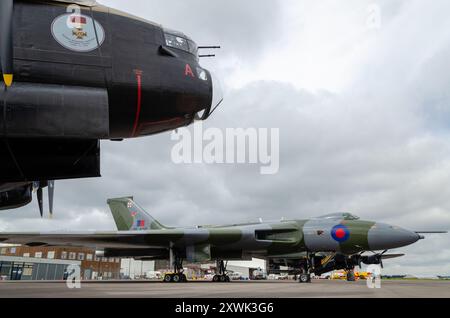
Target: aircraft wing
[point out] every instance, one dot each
(113, 240)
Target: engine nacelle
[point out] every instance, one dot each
(48, 159)
(16, 198)
(55, 111)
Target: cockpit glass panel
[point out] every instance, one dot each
(344, 216)
(181, 43)
(193, 48)
(177, 42)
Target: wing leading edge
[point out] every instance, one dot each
(134, 239)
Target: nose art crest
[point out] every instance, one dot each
(340, 233)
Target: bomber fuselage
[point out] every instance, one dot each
(289, 238)
(102, 64)
(88, 73)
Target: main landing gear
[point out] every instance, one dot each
(221, 273)
(178, 275)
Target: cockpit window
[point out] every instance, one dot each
(344, 216)
(193, 48)
(181, 43)
(177, 42)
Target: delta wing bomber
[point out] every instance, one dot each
(313, 246)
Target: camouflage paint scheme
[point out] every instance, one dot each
(142, 237)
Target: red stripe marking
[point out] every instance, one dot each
(139, 102)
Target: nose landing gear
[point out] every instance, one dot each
(304, 278)
(308, 267)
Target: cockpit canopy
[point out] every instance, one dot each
(340, 216)
(180, 41)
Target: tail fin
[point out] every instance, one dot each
(131, 217)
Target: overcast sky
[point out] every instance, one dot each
(363, 113)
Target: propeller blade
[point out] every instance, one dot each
(40, 201)
(6, 40)
(51, 194)
(381, 258)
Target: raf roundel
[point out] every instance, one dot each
(340, 233)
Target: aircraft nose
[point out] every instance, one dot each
(217, 97)
(384, 237)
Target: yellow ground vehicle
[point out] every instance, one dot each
(343, 275)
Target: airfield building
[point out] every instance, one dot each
(50, 263)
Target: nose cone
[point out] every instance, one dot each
(217, 96)
(384, 237)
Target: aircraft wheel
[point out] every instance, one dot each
(216, 278)
(184, 278)
(227, 279)
(223, 279)
(167, 278)
(351, 276)
(176, 278)
(304, 278)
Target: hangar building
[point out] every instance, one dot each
(50, 263)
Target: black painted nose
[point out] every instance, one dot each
(216, 97)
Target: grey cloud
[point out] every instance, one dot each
(243, 28)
